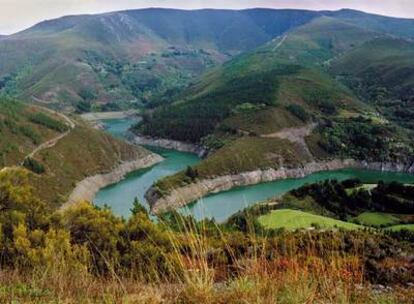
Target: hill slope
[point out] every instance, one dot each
(128, 56)
(381, 71)
(57, 168)
(121, 59)
(23, 128)
(279, 107)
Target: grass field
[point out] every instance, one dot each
(377, 219)
(409, 227)
(294, 219)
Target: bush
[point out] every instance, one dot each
(45, 120)
(33, 165)
(299, 112)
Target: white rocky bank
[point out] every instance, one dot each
(182, 196)
(86, 189)
(168, 144)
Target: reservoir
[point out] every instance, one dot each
(220, 206)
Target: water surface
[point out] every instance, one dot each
(220, 206)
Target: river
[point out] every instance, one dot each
(221, 205)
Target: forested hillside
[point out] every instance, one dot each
(284, 104)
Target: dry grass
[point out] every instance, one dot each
(309, 277)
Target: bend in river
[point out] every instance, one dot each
(221, 205)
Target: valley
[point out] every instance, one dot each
(207, 156)
(223, 205)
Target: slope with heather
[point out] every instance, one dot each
(23, 129)
(65, 154)
(110, 60)
(129, 58)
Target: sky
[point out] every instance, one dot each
(16, 15)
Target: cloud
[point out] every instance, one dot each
(28, 12)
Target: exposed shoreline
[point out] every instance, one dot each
(95, 116)
(168, 144)
(87, 188)
(184, 195)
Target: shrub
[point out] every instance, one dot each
(45, 120)
(33, 165)
(299, 112)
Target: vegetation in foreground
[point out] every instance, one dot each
(86, 254)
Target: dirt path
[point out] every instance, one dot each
(280, 43)
(296, 135)
(52, 142)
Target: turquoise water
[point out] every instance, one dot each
(221, 205)
(118, 127)
(120, 196)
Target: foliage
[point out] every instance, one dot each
(70, 253)
(33, 165)
(191, 173)
(83, 107)
(194, 119)
(332, 195)
(361, 138)
(47, 121)
(299, 112)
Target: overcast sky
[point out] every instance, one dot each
(16, 15)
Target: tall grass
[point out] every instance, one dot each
(282, 275)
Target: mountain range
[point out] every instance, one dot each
(141, 57)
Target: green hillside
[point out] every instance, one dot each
(123, 59)
(384, 78)
(56, 170)
(22, 128)
(281, 90)
(130, 58)
(84, 152)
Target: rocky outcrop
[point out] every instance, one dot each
(168, 144)
(182, 196)
(87, 188)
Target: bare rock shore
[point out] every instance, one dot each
(184, 195)
(86, 189)
(169, 144)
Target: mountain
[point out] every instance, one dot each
(125, 59)
(284, 104)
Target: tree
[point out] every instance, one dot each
(191, 173)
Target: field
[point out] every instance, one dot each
(294, 219)
(377, 219)
(409, 227)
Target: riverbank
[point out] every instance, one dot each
(168, 144)
(86, 189)
(94, 116)
(182, 196)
